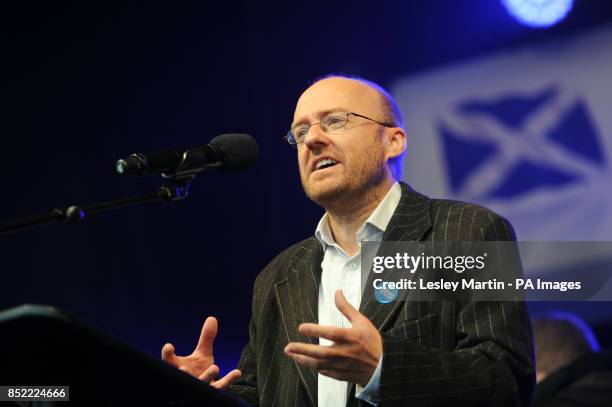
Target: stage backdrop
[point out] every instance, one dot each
(526, 132)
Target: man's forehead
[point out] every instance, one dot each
(337, 93)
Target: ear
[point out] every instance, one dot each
(396, 142)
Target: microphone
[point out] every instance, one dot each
(231, 152)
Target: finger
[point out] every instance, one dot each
(309, 362)
(332, 333)
(345, 307)
(207, 336)
(227, 380)
(168, 355)
(314, 351)
(210, 373)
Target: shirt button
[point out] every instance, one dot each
(353, 266)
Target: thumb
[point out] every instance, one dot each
(345, 307)
(168, 354)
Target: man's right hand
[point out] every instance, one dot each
(201, 363)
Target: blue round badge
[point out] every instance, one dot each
(385, 295)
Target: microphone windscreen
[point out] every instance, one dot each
(239, 151)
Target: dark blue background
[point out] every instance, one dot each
(84, 84)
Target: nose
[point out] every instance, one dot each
(316, 137)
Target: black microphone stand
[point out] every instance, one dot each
(177, 189)
(178, 186)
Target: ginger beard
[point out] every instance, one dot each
(359, 174)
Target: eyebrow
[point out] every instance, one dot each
(322, 114)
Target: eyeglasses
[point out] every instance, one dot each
(329, 123)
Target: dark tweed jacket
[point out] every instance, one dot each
(434, 353)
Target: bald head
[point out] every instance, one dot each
(560, 339)
(389, 107)
(335, 93)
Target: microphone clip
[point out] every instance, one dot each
(193, 162)
(178, 188)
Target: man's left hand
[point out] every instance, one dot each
(355, 351)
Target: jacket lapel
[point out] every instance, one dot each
(298, 300)
(410, 222)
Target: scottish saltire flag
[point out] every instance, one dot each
(527, 133)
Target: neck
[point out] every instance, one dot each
(347, 216)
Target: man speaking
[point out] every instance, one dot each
(317, 337)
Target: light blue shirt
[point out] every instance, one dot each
(341, 271)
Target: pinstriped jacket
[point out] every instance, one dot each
(438, 353)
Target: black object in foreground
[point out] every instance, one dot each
(40, 345)
(225, 152)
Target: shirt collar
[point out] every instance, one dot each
(377, 222)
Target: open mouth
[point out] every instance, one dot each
(324, 163)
